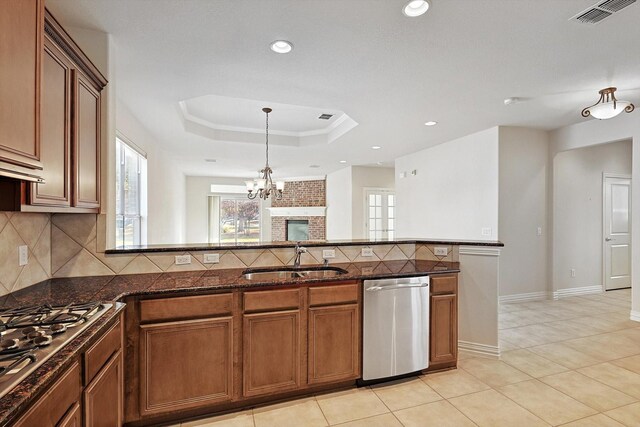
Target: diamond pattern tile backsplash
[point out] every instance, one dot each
(66, 245)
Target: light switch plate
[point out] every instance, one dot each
(440, 250)
(328, 253)
(183, 259)
(539, 231)
(211, 258)
(367, 252)
(23, 254)
(486, 231)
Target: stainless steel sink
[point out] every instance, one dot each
(288, 273)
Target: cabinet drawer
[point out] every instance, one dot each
(336, 294)
(281, 299)
(51, 408)
(96, 357)
(444, 284)
(185, 307)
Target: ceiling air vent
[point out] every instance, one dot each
(601, 10)
(325, 116)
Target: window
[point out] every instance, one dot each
(130, 195)
(380, 214)
(239, 220)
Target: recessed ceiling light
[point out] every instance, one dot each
(343, 161)
(431, 123)
(376, 147)
(210, 160)
(379, 163)
(415, 8)
(512, 100)
(281, 46)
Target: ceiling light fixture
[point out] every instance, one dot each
(343, 161)
(376, 147)
(415, 8)
(264, 184)
(607, 106)
(431, 123)
(281, 46)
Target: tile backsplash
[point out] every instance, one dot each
(67, 245)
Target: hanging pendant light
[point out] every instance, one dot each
(264, 186)
(607, 106)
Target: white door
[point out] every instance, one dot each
(617, 232)
(379, 214)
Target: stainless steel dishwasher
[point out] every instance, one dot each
(395, 327)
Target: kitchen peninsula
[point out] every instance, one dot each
(225, 326)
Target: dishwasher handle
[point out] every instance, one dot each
(375, 288)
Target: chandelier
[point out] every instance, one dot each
(264, 186)
(607, 106)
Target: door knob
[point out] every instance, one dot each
(608, 239)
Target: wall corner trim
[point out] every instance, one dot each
(571, 292)
(491, 351)
(479, 250)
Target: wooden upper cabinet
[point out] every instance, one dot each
(55, 125)
(21, 34)
(86, 143)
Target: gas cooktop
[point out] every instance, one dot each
(31, 335)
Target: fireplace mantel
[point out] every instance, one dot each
(298, 211)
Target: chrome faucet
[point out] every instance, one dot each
(299, 251)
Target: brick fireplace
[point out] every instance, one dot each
(301, 201)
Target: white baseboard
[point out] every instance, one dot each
(572, 292)
(635, 316)
(480, 349)
(531, 296)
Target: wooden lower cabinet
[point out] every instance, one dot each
(271, 352)
(73, 417)
(443, 345)
(334, 343)
(185, 364)
(103, 396)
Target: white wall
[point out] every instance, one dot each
(577, 210)
(594, 132)
(455, 191)
(339, 205)
(363, 177)
(523, 207)
(166, 185)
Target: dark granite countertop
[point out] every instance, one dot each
(308, 243)
(114, 288)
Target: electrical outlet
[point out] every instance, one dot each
(211, 258)
(486, 231)
(573, 273)
(440, 251)
(183, 259)
(328, 253)
(367, 252)
(539, 231)
(23, 254)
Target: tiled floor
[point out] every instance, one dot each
(573, 362)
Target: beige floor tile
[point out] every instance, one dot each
(454, 383)
(531, 364)
(350, 405)
(547, 403)
(437, 414)
(491, 409)
(492, 372)
(302, 412)
(384, 420)
(592, 348)
(631, 363)
(619, 378)
(565, 355)
(523, 337)
(588, 391)
(405, 393)
(237, 419)
(599, 420)
(627, 415)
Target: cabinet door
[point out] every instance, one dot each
(185, 364)
(444, 328)
(73, 417)
(334, 343)
(55, 125)
(271, 352)
(86, 143)
(103, 397)
(21, 29)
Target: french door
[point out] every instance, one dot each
(380, 204)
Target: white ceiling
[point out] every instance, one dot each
(389, 73)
